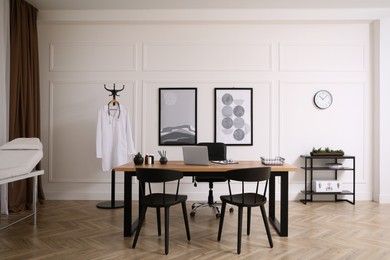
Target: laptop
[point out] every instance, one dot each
(196, 155)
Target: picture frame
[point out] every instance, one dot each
(177, 116)
(233, 121)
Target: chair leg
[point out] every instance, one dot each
(158, 212)
(239, 229)
(166, 230)
(140, 221)
(264, 214)
(248, 222)
(183, 206)
(221, 220)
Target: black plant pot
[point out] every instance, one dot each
(163, 160)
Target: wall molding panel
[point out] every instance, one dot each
(73, 112)
(321, 57)
(207, 56)
(344, 119)
(262, 121)
(92, 56)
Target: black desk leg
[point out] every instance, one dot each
(282, 226)
(284, 205)
(111, 204)
(127, 221)
(129, 227)
(271, 198)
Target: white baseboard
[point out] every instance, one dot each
(193, 196)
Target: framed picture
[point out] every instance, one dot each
(233, 116)
(177, 116)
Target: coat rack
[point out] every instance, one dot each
(112, 204)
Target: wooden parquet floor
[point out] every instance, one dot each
(319, 230)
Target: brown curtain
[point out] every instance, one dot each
(24, 111)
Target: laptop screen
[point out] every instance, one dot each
(196, 155)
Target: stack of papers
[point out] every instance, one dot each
(225, 162)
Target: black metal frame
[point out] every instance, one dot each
(281, 226)
(310, 168)
(195, 115)
(251, 114)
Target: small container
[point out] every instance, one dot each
(138, 159)
(147, 159)
(272, 161)
(152, 156)
(163, 160)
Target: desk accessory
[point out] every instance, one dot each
(163, 157)
(272, 161)
(225, 162)
(138, 159)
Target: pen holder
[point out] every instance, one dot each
(163, 160)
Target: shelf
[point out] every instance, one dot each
(344, 192)
(325, 168)
(328, 156)
(310, 168)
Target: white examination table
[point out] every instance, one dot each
(18, 158)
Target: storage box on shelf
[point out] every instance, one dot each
(327, 186)
(333, 186)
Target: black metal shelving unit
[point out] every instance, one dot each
(310, 168)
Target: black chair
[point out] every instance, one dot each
(246, 199)
(217, 152)
(158, 200)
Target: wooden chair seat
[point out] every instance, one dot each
(159, 200)
(245, 200)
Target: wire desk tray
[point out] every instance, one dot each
(272, 161)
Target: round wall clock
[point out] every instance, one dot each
(323, 99)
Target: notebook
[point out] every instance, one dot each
(196, 155)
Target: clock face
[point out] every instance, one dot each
(323, 99)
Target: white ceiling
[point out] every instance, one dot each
(203, 4)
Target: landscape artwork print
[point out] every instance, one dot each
(233, 116)
(177, 118)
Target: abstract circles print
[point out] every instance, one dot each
(233, 116)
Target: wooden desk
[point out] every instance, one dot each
(216, 170)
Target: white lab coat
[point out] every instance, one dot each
(114, 141)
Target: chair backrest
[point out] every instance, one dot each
(257, 175)
(217, 151)
(151, 175)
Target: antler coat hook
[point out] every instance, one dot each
(114, 92)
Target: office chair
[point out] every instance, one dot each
(217, 152)
(246, 199)
(159, 199)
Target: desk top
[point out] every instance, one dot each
(214, 167)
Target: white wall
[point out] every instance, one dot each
(285, 63)
(382, 97)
